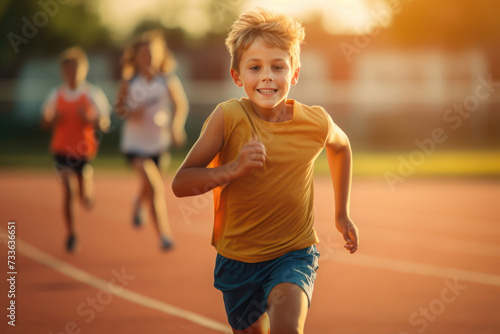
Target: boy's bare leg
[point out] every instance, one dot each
(261, 326)
(156, 191)
(141, 198)
(86, 181)
(158, 200)
(69, 207)
(287, 309)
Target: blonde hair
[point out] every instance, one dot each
(277, 30)
(155, 39)
(78, 55)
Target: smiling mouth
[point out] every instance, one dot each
(267, 91)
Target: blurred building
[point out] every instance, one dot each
(385, 88)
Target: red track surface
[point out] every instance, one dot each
(414, 242)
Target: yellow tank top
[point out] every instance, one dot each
(268, 212)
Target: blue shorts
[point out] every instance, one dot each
(246, 286)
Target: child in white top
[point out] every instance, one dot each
(152, 101)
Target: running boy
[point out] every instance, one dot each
(74, 110)
(257, 154)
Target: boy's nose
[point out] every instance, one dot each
(267, 77)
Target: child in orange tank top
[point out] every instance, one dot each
(74, 119)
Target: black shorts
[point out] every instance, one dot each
(66, 162)
(132, 156)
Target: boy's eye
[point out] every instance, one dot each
(254, 68)
(278, 67)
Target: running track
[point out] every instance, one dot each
(428, 262)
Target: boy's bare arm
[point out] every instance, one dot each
(49, 117)
(181, 108)
(194, 178)
(103, 123)
(338, 152)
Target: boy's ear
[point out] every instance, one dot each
(236, 78)
(295, 77)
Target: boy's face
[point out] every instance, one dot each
(266, 74)
(72, 73)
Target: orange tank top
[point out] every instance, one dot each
(269, 212)
(72, 135)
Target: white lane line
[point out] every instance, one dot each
(134, 297)
(411, 267)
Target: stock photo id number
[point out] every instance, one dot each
(11, 273)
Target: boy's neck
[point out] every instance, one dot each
(73, 85)
(283, 112)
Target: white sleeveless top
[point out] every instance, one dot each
(149, 135)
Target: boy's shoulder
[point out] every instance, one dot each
(231, 103)
(92, 89)
(313, 107)
(233, 107)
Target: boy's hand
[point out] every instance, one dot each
(88, 114)
(50, 117)
(350, 233)
(252, 155)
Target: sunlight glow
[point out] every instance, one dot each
(338, 17)
(194, 16)
(122, 18)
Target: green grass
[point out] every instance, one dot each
(443, 163)
(440, 163)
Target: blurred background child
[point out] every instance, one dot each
(153, 104)
(75, 110)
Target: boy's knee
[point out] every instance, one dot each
(153, 175)
(286, 323)
(287, 308)
(286, 329)
(87, 171)
(68, 181)
(153, 188)
(138, 165)
(156, 190)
